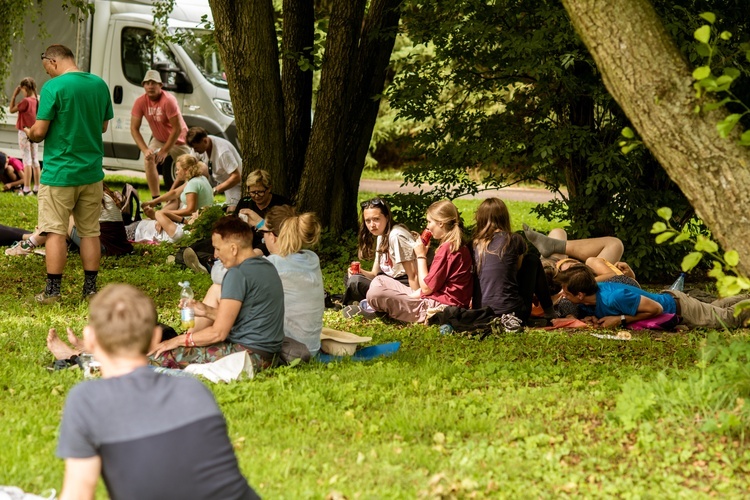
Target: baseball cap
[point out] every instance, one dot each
(151, 75)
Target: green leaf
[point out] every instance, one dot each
(628, 133)
(630, 147)
(709, 16)
(691, 260)
(717, 272)
(724, 80)
(732, 258)
(733, 72)
(715, 105)
(663, 237)
(733, 289)
(681, 237)
(701, 72)
(744, 283)
(665, 213)
(725, 35)
(704, 244)
(703, 34)
(745, 138)
(703, 50)
(726, 125)
(658, 227)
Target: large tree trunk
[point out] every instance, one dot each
(357, 55)
(298, 34)
(247, 45)
(644, 71)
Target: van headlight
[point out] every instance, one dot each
(224, 106)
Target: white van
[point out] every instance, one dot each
(116, 44)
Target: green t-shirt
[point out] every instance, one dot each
(76, 104)
(201, 187)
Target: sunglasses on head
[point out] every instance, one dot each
(375, 202)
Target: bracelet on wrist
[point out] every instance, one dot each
(260, 224)
(421, 257)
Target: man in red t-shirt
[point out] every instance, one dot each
(168, 128)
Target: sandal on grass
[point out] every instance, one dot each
(63, 364)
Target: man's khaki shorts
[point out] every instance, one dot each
(175, 152)
(57, 204)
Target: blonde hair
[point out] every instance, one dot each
(123, 319)
(447, 214)
(259, 177)
(190, 164)
(294, 232)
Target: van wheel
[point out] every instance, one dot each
(169, 172)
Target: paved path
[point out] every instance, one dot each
(535, 195)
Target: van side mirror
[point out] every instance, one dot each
(174, 79)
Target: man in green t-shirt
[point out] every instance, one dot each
(74, 111)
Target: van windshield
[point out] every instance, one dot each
(200, 47)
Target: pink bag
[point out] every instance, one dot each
(665, 321)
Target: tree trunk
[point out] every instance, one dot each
(296, 84)
(648, 77)
(247, 45)
(357, 55)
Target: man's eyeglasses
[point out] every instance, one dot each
(375, 202)
(44, 56)
(257, 193)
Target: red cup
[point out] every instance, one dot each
(426, 236)
(354, 267)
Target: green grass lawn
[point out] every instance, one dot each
(539, 414)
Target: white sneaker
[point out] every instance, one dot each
(22, 247)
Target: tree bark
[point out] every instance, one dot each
(247, 44)
(357, 55)
(298, 34)
(648, 77)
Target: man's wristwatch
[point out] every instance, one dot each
(623, 323)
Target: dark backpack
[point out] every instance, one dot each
(130, 204)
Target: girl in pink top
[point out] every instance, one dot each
(26, 110)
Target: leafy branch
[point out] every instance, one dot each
(729, 281)
(706, 82)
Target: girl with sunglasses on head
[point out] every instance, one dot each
(447, 282)
(390, 245)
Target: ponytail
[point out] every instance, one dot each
(447, 214)
(294, 232)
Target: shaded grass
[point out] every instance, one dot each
(542, 414)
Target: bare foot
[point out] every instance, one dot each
(75, 341)
(149, 211)
(58, 348)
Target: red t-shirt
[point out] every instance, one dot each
(26, 112)
(157, 115)
(16, 164)
(450, 276)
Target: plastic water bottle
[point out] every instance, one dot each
(446, 329)
(679, 283)
(187, 313)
